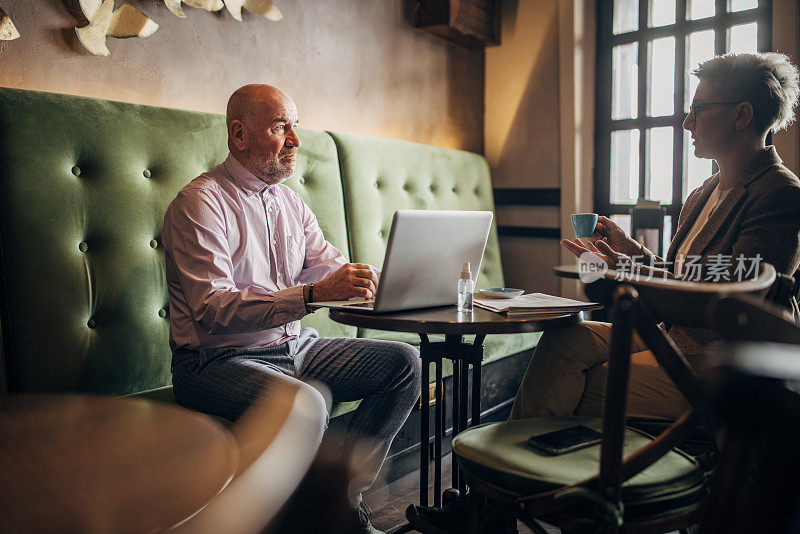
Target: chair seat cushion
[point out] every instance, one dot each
(498, 454)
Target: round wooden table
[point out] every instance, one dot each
(79, 463)
(454, 325)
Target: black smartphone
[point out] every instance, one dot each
(565, 440)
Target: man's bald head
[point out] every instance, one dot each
(261, 120)
(250, 101)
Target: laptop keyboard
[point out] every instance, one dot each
(362, 305)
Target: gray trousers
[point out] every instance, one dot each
(385, 374)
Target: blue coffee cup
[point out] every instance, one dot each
(584, 224)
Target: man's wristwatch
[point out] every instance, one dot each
(308, 294)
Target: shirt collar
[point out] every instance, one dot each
(759, 165)
(245, 179)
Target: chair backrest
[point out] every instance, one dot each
(677, 302)
(745, 318)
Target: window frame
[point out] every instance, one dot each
(605, 125)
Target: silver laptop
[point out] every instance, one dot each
(423, 260)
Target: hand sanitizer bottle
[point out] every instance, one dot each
(466, 288)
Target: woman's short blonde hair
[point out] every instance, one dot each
(767, 80)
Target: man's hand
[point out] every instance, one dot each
(600, 248)
(609, 232)
(351, 280)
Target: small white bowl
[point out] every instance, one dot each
(501, 292)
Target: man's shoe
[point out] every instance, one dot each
(364, 515)
(448, 519)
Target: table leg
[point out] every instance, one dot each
(476, 394)
(424, 442)
(456, 412)
(464, 364)
(476, 385)
(437, 472)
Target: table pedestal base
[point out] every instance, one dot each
(463, 355)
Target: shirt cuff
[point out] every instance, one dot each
(289, 304)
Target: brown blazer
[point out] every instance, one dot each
(760, 215)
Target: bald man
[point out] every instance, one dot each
(244, 257)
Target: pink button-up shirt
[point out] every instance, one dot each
(237, 254)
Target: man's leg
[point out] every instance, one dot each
(385, 374)
(651, 393)
(225, 382)
(555, 379)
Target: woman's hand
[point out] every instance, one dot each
(599, 248)
(609, 232)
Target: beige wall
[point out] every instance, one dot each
(351, 65)
(539, 126)
(786, 39)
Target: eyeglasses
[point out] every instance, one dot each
(696, 109)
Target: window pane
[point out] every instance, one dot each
(624, 166)
(662, 12)
(659, 164)
(626, 16)
(743, 38)
(661, 76)
(741, 5)
(697, 170)
(625, 83)
(667, 235)
(700, 9)
(699, 47)
(624, 222)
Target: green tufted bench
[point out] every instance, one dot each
(83, 190)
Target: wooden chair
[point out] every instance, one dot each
(655, 488)
(755, 486)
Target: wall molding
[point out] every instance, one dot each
(529, 231)
(527, 196)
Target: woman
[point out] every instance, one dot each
(750, 208)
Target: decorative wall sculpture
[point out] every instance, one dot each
(127, 21)
(260, 7)
(8, 31)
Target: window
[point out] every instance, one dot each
(646, 49)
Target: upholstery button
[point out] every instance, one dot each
(454, 190)
(91, 323)
(476, 191)
(162, 313)
(377, 184)
(76, 170)
(153, 243)
(431, 188)
(146, 173)
(82, 246)
(405, 187)
(302, 180)
(380, 233)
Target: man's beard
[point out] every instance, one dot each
(275, 171)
